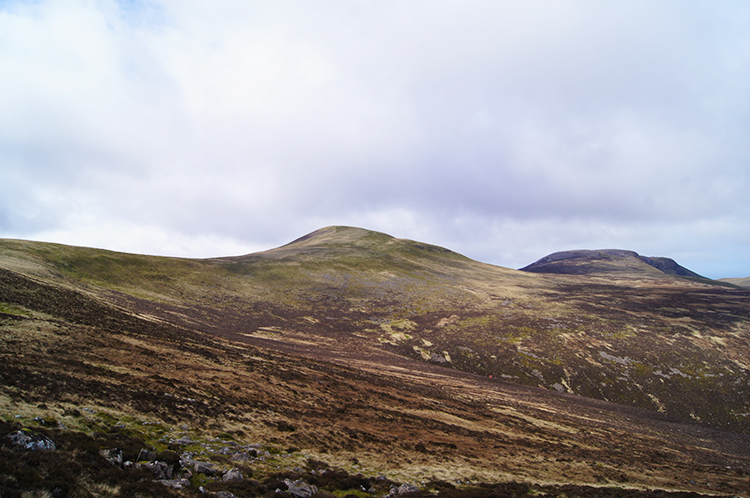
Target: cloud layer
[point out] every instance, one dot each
(502, 130)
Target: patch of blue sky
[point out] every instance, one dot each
(9, 5)
(141, 12)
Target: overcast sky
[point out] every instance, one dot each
(501, 130)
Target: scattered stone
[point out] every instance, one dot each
(232, 475)
(225, 494)
(174, 483)
(146, 456)
(28, 440)
(404, 489)
(205, 468)
(300, 488)
(113, 456)
(244, 457)
(161, 470)
(184, 440)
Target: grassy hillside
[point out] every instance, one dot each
(635, 336)
(740, 282)
(323, 405)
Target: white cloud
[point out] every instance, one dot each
(498, 129)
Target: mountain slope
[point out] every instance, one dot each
(115, 379)
(635, 336)
(740, 282)
(381, 314)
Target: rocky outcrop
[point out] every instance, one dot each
(300, 489)
(232, 475)
(28, 440)
(173, 476)
(161, 470)
(174, 483)
(146, 456)
(225, 494)
(403, 489)
(113, 456)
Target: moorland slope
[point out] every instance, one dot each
(740, 282)
(374, 355)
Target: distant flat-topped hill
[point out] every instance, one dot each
(739, 282)
(586, 262)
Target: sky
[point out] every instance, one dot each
(503, 130)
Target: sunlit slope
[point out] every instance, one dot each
(344, 262)
(352, 267)
(740, 282)
(637, 336)
(155, 277)
(94, 377)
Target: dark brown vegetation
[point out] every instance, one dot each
(337, 373)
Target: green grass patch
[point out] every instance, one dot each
(12, 309)
(341, 493)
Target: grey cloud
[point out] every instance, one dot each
(497, 129)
